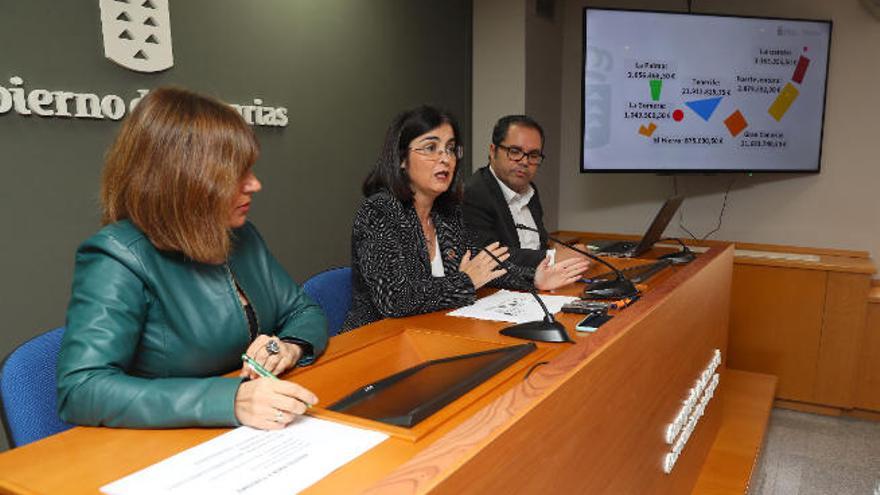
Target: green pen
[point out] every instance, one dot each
(263, 371)
(257, 367)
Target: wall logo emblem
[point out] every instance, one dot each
(137, 34)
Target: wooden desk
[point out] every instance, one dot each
(798, 313)
(591, 420)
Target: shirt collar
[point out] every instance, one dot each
(512, 197)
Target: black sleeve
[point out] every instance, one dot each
(396, 285)
(518, 276)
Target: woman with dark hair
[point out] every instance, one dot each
(177, 285)
(410, 252)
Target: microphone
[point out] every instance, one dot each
(546, 330)
(682, 257)
(618, 288)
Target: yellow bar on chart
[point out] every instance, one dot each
(780, 105)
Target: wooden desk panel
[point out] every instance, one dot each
(843, 323)
(868, 382)
(801, 320)
(592, 418)
(774, 328)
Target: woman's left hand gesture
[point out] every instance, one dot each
(561, 274)
(261, 351)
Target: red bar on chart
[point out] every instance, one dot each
(800, 70)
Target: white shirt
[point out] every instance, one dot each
(437, 261)
(519, 210)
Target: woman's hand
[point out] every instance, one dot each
(482, 269)
(286, 358)
(561, 274)
(270, 404)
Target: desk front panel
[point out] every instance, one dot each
(592, 419)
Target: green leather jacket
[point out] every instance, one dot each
(148, 331)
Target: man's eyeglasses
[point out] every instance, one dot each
(433, 151)
(516, 154)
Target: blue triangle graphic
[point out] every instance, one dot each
(704, 108)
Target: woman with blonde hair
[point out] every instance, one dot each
(178, 284)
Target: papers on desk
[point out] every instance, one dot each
(514, 307)
(249, 461)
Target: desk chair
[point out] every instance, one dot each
(331, 289)
(28, 400)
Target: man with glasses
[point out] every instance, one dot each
(501, 194)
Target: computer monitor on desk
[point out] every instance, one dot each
(630, 249)
(408, 397)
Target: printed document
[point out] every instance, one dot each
(514, 307)
(249, 461)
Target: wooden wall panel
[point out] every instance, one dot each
(868, 382)
(844, 319)
(776, 323)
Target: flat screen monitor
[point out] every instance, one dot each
(667, 92)
(407, 397)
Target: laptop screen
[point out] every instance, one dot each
(658, 226)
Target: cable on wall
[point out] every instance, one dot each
(720, 214)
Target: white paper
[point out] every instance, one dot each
(513, 307)
(249, 461)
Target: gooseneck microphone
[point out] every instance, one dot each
(546, 330)
(682, 257)
(618, 288)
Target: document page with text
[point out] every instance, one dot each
(249, 461)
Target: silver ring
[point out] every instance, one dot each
(278, 416)
(272, 347)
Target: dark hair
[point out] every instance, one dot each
(387, 175)
(174, 170)
(499, 132)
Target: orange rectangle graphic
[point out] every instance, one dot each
(784, 100)
(735, 123)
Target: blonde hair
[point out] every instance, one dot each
(175, 169)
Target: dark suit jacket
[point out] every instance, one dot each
(488, 218)
(391, 272)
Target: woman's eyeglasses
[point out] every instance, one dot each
(433, 151)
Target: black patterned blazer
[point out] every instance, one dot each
(391, 271)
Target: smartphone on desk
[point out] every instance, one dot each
(592, 321)
(584, 307)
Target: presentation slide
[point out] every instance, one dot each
(682, 92)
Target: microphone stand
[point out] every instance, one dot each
(618, 288)
(546, 330)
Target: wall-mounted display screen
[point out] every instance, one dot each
(666, 92)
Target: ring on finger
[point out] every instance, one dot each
(278, 416)
(272, 347)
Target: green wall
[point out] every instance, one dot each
(343, 68)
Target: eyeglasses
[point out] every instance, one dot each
(516, 154)
(433, 151)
